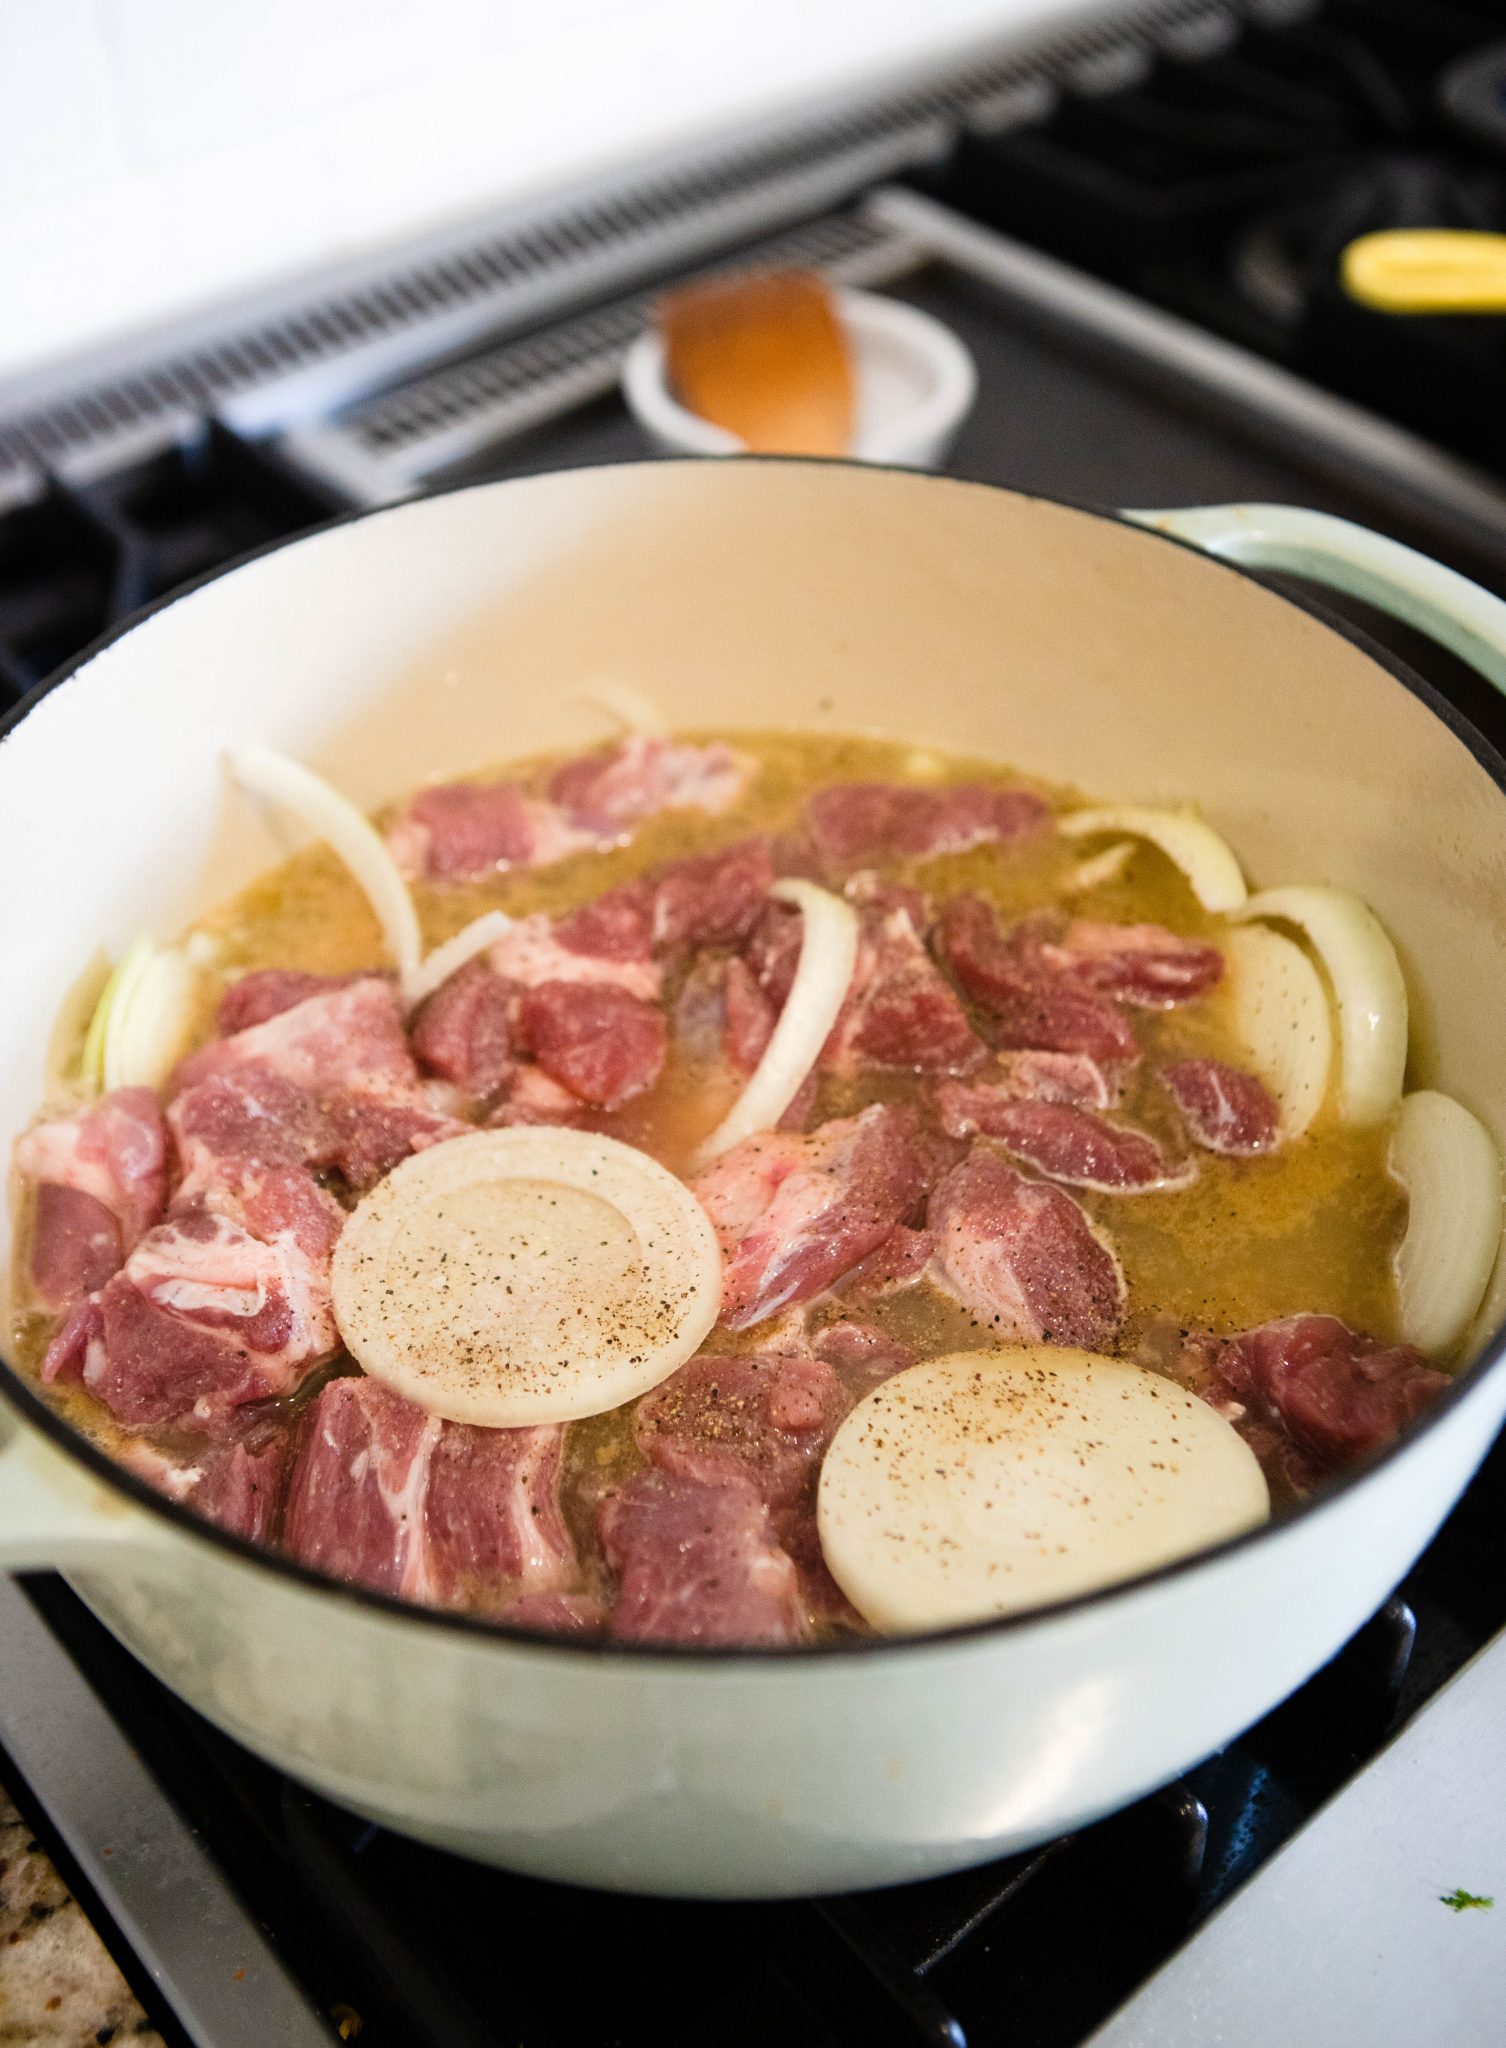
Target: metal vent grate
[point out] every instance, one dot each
(495, 379)
(389, 447)
(395, 318)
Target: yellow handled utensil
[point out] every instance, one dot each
(1427, 270)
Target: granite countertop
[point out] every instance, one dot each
(58, 1985)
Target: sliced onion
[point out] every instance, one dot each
(1205, 859)
(1447, 1162)
(151, 1030)
(1368, 990)
(117, 988)
(448, 959)
(335, 819)
(632, 709)
(1103, 867)
(992, 1481)
(828, 954)
(535, 1275)
(141, 1021)
(1283, 1019)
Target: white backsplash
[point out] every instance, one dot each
(156, 155)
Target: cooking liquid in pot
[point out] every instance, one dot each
(1309, 1226)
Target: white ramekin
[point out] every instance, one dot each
(916, 384)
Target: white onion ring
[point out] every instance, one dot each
(335, 819)
(140, 1021)
(1282, 1017)
(828, 954)
(1446, 1160)
(1205, 859)
(1107, 866)
(511, 1278)
(455, 953)
(149, 1030)
(1368, 990)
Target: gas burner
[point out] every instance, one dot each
(1285, 259)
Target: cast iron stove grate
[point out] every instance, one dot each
(407, 1947)
(82, 555)
(1223, 185)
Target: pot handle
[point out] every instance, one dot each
(1458, 614)
(54, 1512)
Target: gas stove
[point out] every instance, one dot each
(1222, 179)
(1133, 230)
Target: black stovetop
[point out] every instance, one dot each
(81, 556)
(1159, 186)
(1223, 187)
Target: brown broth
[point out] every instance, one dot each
(1311, 1226)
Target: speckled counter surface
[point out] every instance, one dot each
(58, 1986)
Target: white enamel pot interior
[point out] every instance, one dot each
(450, 632)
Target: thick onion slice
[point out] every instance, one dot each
(455, 953)
(828, 954)
(1448, 1164)
(1205, 859)
(524, 1276)
(1282, 1018)
(335, 819)
(1368, 990)
(992, 1481)
(141, 1021)
(118, 985)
